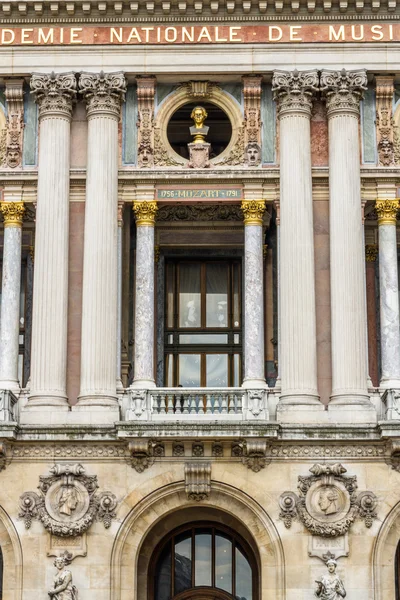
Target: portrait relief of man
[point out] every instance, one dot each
(328, 501)
(68, 500)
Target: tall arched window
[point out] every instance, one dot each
(203, 562)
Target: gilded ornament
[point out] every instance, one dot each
(13, 213)
(145, 213)
(387, 211)
(253, 211)
(371, 252)
(199, 130)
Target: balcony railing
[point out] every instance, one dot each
(164, 404)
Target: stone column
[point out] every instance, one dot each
(55, 95)
(145, 213)
(13, 213)
(293, 92)
(389, 293)
(120, 386)
(254, 369)
(371, 254)
(103, 94)
(343, 91)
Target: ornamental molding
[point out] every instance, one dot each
(200, 212)
(328, 503)
(197, 480)
(252, 452)
(103, 93)
(384, 120)
(294, 90)
(13, 213)
(143, 453)
(386, 210)
(343, 90)
(146, 89)
(252, 111)
(200, 90)
(14, 95)
(55, 94)
(68, 502)
(371, 252)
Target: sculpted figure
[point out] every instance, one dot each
(330, 586)
(328, 501)
(63, 587)
(199, 130)
(68, 500)
(253, 154)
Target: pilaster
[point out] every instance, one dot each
(146, 89)
(252, 118)
(384, 120)
(15, 121)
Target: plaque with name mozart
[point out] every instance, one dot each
(197, 193)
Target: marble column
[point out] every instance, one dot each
(293, 92)
(389, 293)
(103, 94)
(120, 386)
(55, 94)
(13, 213)
(343, 91)
(371, 254)
(253, 342)
(145, 213)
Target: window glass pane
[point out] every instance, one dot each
(183, 563)
(243, 576)
(189, 296)
(203, 338)
(168, 370)
(203, 558)
(189, 370)
(236, 370)
(236, 295)
(170, 295)
(163, 575)
(217, 370)
(223, 563)
(217, 295)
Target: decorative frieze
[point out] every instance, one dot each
(371, 252)
(145, 212)
(252, 118)
(103, 92)
(386, 210)
(13, 213)
(15, 122)
(200, 212)
(327, 503)
(294, 90)
(146, 88)
(343, 90)
(253, 211)
(54, 93)
(384, 120)
(197, 480)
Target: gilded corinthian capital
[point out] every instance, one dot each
(253, 211)
(145, 212)
(103, 92)
(293, 90)
(343, 90)
(13, 213)
(55, 93)
(387, 211)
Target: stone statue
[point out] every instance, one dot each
(63, 586)
(330, 587)
(199, 130)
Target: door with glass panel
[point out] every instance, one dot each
(203, 562)
(203, 333)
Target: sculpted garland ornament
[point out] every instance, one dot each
(68, 502)
(328, 503)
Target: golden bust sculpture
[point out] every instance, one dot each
(199, 131)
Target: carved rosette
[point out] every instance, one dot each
(384, 120)
(253, 211)
(145, 213)
(55, 94)
(13, 213)
(146, 88)
(343, 90)
(103, 93)
(387, 211)
(15, 122)
(294, 90)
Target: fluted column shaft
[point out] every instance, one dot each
(145, 213)
(10, 294)
(389, 293)
(298, 357)
(119, 298)
(55, 95)
(103, 94)
(343, 91)
(254, 369)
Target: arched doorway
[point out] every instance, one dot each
(203, 561)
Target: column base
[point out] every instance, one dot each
(45, 410)
(96, 409)
(47, 402)
(143, 384)
(351, 408)
(390, 384)
(254, 384)
(300, 408)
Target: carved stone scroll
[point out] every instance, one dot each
(15, 122)
(327, 503)
(197, 480)
(255, 454)
(200, 89)
(146, 89)
(143, 453)
(252, 118)
(343, 90)
(384, 120)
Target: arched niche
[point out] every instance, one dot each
(167, 508)
(12, 558)
(384, 556)
(223, 100)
